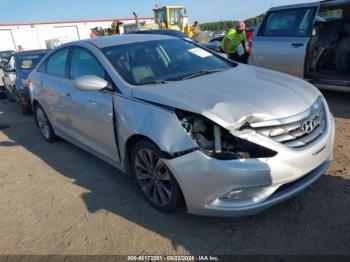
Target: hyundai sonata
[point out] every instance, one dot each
(194, 129)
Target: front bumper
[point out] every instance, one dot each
(204, 180)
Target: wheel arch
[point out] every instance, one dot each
(130, 144)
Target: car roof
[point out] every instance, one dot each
(169, 32)
(285, 7)
(29, 52)
(335, 2)
(106, 41)
(6, 51)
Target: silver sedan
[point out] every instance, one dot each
(194, 129)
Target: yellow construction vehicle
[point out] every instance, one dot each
(171, 17)
(167, 17)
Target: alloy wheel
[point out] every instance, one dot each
(153, 177)
(43, 123)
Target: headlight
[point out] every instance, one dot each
(217, 142)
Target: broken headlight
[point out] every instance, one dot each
(217, 142)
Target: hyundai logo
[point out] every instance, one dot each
(308, 126)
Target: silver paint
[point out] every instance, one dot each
(102, 123)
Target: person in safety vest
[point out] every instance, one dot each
(232, 41)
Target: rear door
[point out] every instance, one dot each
(54, 89)
(281, 41)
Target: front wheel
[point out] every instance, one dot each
(154, 178)
(44, 125)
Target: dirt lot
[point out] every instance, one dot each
(56, 198)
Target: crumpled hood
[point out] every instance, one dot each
(235, 96)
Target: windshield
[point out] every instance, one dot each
(5, 55)
(162, 60)
(29, 61)
(176, 16)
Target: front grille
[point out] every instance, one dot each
(293, 131)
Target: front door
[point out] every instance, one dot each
(90, 113)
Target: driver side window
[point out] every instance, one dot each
(83, 63)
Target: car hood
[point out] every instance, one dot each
(236, 96)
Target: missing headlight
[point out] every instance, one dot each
(217, 142)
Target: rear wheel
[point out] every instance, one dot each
(154, 178)
(44, 125)
(25, 110)
(8, 95)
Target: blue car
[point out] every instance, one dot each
(16, 72)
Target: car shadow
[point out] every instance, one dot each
(314, 222)
(339, 103)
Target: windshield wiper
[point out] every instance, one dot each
(204, 72)
(156, 82)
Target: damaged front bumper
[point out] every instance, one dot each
(242, 187)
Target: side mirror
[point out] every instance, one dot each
(90, 83)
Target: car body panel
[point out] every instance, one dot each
(229, 104)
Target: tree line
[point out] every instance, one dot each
(225, 25)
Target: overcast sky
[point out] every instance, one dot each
(17, 11)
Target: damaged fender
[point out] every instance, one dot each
(159, 124)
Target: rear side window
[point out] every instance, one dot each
(288, 23)
(56, 64)
(84, 63)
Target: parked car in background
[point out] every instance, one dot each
(216, 41)
(310, 41)
(4, 56)
(189, 125)
(16, 72)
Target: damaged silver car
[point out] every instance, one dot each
(194, 129)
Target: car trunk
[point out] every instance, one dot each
(328, 54)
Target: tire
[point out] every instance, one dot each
(24, 110)
(154, 178)
(8, 95)
(44, 124)
(343, 56)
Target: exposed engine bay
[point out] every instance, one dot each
(218, 142)
(328, 55)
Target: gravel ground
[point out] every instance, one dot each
(58, 199)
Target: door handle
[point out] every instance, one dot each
(67, 94)
(297, 45)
